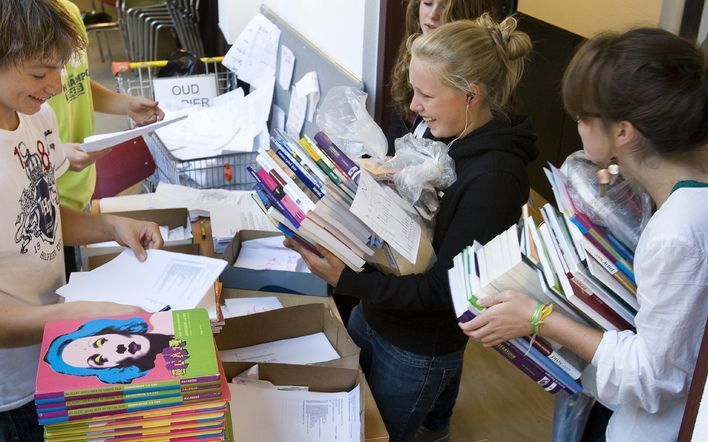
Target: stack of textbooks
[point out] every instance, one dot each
(307, 189)
(564, 260)
(153, 376)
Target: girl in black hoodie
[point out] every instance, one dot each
(462, 75)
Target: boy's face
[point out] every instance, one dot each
(27, 86)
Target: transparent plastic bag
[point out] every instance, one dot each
(343, 116)
(421, 163)
(624, 210)
(570, 415)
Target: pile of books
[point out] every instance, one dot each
(564, 260)
(153, 376)
(308, 188)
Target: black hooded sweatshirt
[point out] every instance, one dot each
(415, 312)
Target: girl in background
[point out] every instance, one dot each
(640, 99)
(422, 16)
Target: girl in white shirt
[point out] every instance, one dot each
(641, 99)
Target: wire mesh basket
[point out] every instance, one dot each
(225, 171)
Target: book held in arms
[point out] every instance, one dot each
(114, 365)
(559, 258)
(312, 193)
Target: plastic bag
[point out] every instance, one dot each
(421, 163)
(343, 116)
(570, 415)
(624, 210)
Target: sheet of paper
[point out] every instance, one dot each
(277, 119)
(269, 253)
(234, 307)
(255, 50)
(307, 349)
(309, 86)
(296, 113)
(199, 202)
(229, 97)
(165, 278)
(391, 222)
(104, 141)
(229, 219)
(265, 413)
(176, 93)
(125, 203)
(287, 65)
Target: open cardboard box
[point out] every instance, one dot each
(267, 280)
(285, 323)
(172, 218)
(315, 377)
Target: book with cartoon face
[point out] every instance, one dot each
(99, 358)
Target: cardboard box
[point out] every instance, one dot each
(172, 218)
(297, 283)
(316, 378)
(285, 323)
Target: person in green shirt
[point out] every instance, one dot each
(74, 108)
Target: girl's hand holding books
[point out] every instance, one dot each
(507, 315)
(327, 266)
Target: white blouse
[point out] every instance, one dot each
(645, 377)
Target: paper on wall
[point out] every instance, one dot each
(296, 113)
(287, 65)
(277, 118)
(309, 86)
(255, 51)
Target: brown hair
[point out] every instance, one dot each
(480, 52)
(37, 29)
(649, 77)
(401, 92)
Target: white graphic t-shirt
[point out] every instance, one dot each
(31, 246)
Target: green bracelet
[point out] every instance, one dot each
(535, 318)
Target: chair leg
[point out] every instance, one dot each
(100, 46)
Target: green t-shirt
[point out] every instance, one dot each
(74, 110)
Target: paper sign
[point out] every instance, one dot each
(287, 64)
(176, 93)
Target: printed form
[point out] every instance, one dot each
(262, 412)
(373, 205)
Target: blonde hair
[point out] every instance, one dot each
(37, 29)
(481, 52)
(401, 92)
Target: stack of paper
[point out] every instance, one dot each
(154, 375)
(269, 253)
(164, 280)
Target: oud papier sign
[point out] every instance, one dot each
(176, 93)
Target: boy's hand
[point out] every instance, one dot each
(138, 235)
(144, 111)
(328, 267)
(78, 159)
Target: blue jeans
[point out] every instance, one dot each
(20, 425)
(410, 389)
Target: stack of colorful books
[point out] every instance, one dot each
(153, 376)
(308, 188)
(564, 260)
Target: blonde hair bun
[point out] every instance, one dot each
(513, 43)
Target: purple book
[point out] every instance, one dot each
(332, 151)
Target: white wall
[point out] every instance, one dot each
(335, 26)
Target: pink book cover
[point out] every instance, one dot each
(136, 353)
